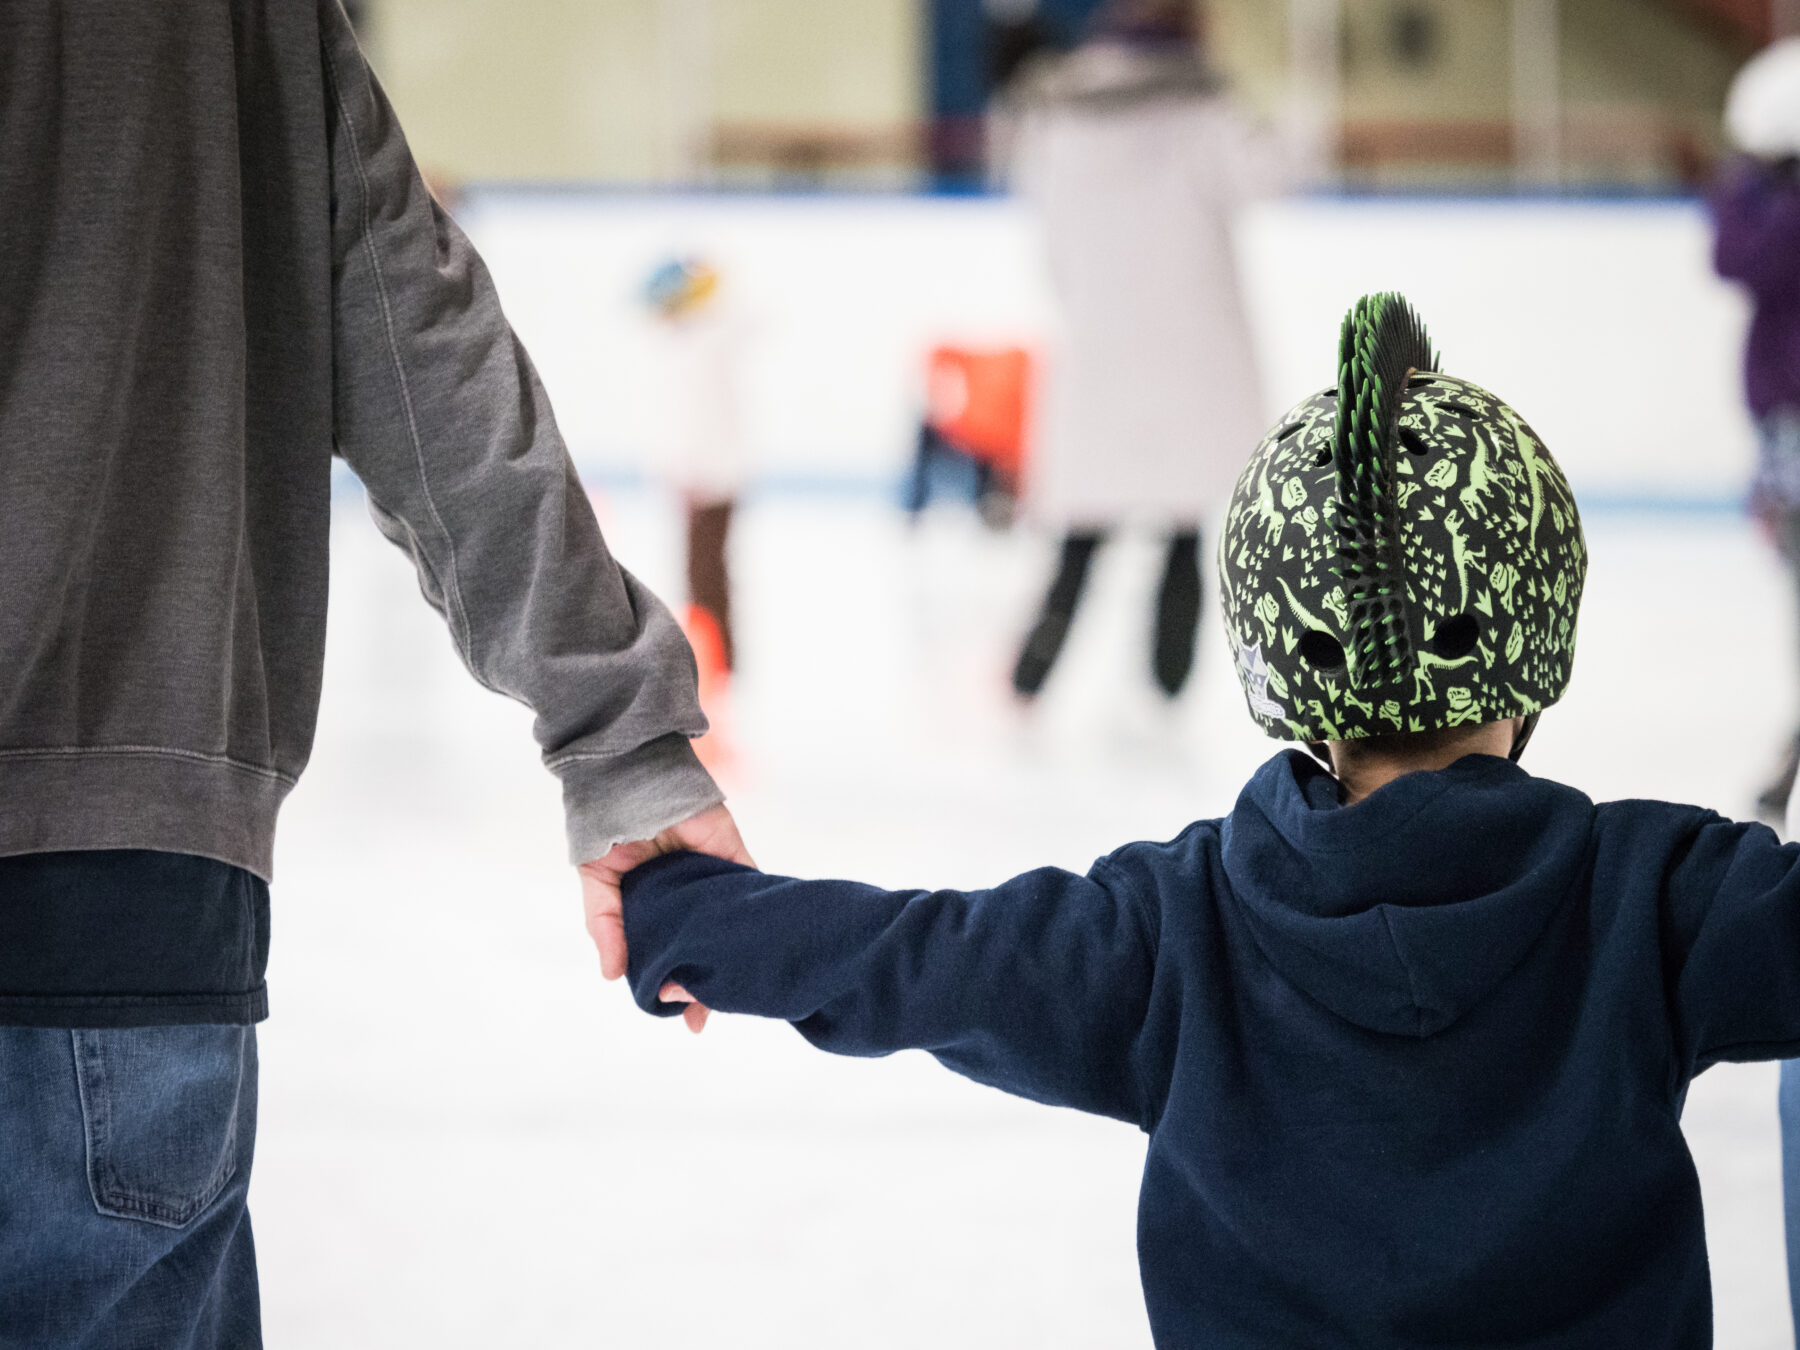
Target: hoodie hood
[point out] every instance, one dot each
(1402, 912)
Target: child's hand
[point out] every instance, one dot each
(713, 832)
(696, 1012)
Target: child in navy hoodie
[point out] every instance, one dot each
(1409, 1030)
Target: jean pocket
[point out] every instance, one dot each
(161, 1106)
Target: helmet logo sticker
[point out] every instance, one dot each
(1253, 670)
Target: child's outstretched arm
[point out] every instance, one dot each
(1038, 987)
(1730, 939)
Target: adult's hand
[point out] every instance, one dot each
(713, 831)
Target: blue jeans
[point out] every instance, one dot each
(124, 1161)
(1790, 1174)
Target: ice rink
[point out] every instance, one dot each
(468, 1140)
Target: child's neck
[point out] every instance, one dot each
(1361, 772)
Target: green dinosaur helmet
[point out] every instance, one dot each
(1401, 552)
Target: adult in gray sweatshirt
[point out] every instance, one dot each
(219, 266)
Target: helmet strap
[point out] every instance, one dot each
(1523, 737)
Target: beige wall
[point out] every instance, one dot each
(1248, 40)
(607, 90)
(627, 90)
(1624, 53)
(1631, 71)
(1613, 51)
(852, 61)
(1470, 79)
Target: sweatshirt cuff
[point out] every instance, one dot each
(614, 799)
(660, 898)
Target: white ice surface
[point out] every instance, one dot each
(469, 1141)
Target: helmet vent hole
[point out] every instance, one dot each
(1463, 410)
(1288, 430)
(1456, 638)
(1321, 651)
(1323, 458)
(1413, 443)
(1420, 381)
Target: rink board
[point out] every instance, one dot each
(1599, 319)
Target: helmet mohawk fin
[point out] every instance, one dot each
(1382, 342)
(1402, 554)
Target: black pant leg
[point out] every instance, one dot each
(1177, 612)
(709, 576)
(1045, 642)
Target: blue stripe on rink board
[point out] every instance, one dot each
(888, 487)
(1625, 503)
(476, 193)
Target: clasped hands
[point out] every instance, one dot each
(713, 832)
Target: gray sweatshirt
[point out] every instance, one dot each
(218, 266)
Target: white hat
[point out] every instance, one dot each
(1762, 112)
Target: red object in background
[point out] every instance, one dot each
(708, 641)
(717, 748)
(980, 402)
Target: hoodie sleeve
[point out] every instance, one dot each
(440, 413)
(1038, 987)
(1731, 944)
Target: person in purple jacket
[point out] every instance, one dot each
(1409, 1030)
(1756, 216)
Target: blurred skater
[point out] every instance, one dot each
(1756, 210)
(698, 414)
(1137, 161)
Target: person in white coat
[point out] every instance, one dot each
(1137, 161)
(703, 343)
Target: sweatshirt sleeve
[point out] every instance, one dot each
(1731, 942)
(1756, 224)
(440, 413)
(1039, 987)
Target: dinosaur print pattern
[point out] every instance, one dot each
(1491, 553)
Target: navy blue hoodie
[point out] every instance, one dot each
(1412, 1070)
